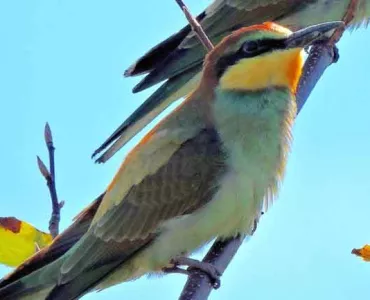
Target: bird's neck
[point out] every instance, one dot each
(255, 128)
(247, 110)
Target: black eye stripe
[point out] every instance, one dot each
(224, 62)
(255, 48)
(260, 46)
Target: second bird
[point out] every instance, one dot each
(179, 58)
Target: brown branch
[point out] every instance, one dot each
(198, 30)
(347, 18)
(321, 56)
(198, 285)
(50, 181)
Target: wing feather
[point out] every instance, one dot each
(181, 186)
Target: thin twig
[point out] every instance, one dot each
(50, 181)
(347, 18)
(198, 285)
(197, 28)
(49, 143)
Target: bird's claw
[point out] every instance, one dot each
(193, 264)
(175, 270)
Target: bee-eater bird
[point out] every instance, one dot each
(203, 172)
(179, 58)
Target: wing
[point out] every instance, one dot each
(219, 20)
(173, 89)
(182, 185)
(179, 60)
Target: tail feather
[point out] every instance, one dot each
(18, 291)
(172, 90)
(35, 286)
(60, 245)
(81, 285)
(73, 285)
(26, 281)
(157, 54)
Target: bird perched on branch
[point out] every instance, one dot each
(179, 58)
(203, 172)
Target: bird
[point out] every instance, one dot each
(204, 172)
(178, 59)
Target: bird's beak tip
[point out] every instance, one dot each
(308, 35)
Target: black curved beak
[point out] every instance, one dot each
(308, 35)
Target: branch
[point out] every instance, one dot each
(198, 30)
(321, 56)
(50, 181)
(198, 285)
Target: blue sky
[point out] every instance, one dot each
(62, 62)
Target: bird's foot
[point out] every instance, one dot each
(175, 270)
(207, 268)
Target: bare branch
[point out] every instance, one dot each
(198, 30)
(347, 18)
(50, 181)
(321, 56)
(198, 285)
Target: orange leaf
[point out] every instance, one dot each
(19, 240)
(364, 252)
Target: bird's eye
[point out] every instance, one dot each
(250, 47)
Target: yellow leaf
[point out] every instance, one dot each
(364, 252)
(19, 240)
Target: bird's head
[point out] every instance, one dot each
(261, 56)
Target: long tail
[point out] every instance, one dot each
(16, 284)
(43, 284)
(48, 284)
